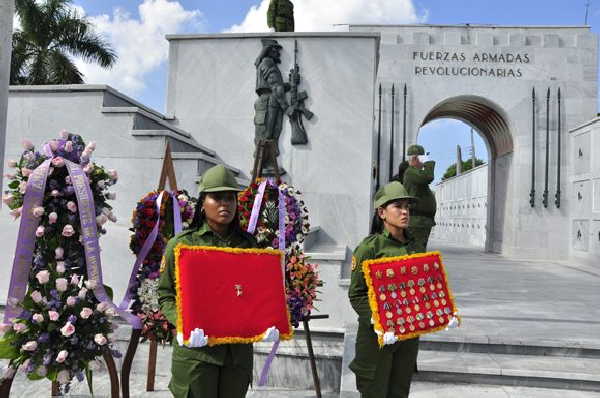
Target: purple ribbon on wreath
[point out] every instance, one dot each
(251, 228)
(147, 246)
(34, 195)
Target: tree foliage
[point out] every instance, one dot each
(52, 33)
(466, 166)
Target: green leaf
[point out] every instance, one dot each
(34, 376)
(14, 184)
(52, 374)
(88, 378)
(7, 350)
(109, 291)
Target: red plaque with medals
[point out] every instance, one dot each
(231, 295)
(409, 295)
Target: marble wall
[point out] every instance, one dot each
(462, 205)
(211, 94)
(6, 23)
(484, 75)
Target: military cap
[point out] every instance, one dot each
(217, 179)
(392, 191)
(415, 150)
(270, 43)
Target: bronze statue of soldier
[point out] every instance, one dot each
(271, 103)
(280, 15)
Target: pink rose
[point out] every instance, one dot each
(101, 184)
(60, 267)
(82, 293)
(86, 312)
(74, 279)
(103, 306)
(29, 346)
(91, 284)
(71, 301)
(69, 146)
(16, 213)
(7, 199)
(112, 173)
(53, 315)
(71, 206)
(9, 372)
(61, 284)
(43, 277)
(26, 172)
(62, 355)
(100, 339)
(36, 296)
(38, 318)
(59, 252)
(12, 163)
(58, 162)
(55, 193)
(63, 377)
(27, 144)
(52, 217)
(88, 168)
(101, 219)
(5, 327)
(68, 231)
(91, 146)
(39, 232)
(111, 216)
(23, 187)
(20, 327)
(68, 329)
(38, 211)
(64, 134)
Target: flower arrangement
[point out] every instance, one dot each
(144, 292)
(302, 282)
(302, 278)
(62, 327)
(267, 233)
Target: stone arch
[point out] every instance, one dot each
(480, 113)
(490, 121)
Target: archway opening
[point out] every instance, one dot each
(470, 213)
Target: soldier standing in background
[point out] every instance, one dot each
(417, 177)
(280, 15)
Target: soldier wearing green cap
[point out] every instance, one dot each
(382, 372)
(417, 177)
(222, 370)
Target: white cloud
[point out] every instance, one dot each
(322, 15)
(139, 43)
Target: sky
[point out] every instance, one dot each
(136, 30)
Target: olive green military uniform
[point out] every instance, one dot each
(221, 371)
(280, 15)
(380, 372)
(417, 181)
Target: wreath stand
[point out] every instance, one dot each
(167, 172)
(267, 149)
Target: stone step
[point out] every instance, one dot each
(422, 389)
(509, 349)
(513, 370)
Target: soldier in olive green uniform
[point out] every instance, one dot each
(417, 178)
(382, 372)
(280, 15)
(221, 371)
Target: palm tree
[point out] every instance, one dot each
(51, 34)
